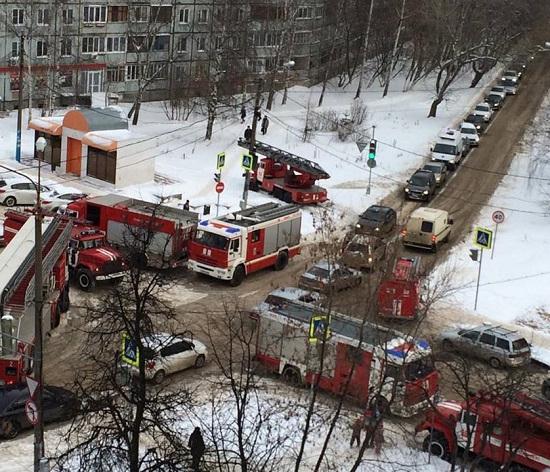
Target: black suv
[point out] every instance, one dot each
(478, 122)
(421, 186)
(376, 219)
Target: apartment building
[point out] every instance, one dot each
(73, 48)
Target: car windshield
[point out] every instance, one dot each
(372, 215)
(357, 247)
(519, 344)
(474, 118)
(432, 168)
(497, 89)
(212, 240)
(91, 243)
(482, 108)
(419, 369)
(319, 272)
(509, 83)
(445, 148)
(468, 131)
(419, 180)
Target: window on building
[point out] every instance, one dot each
(182, 44)
(43, 18)
(304, 13)
(18, 16)
(101, 164)
(66, 47)
(95, 14)
(201, 69)
(161, 14)
(302, 37)
(66, 79)
(201, 43)
(202, 15)
(132, 72)
(116, 44)
(118, 13)
(92, 44)
(137, 44)
(161, 43)
(15, 49)
(116, 74)
(140, 14)
(68, 16)
(184, 15)
(219, 42)
(41, 48)
(319, 12)
(158, 70)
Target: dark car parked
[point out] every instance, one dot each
(58, 404)
(478, 122)
(495, 100)
(377, 220)
(421, 186)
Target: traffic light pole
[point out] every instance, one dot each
(219, 193)
(370, 168)
(478, 277)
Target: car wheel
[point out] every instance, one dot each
(292, 376)
(495, 363)
(446, 238)
(85, 280)
(9, 429)
(159, 376)
(10, 201)
(200, 361)
(546, 391)
(238, 276)
(282, 261)
(434, 248)
(436, 445)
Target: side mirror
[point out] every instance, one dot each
(431, 149)
(451, 221)
(408, 181)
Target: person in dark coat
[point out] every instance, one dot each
(257, 113)
(186, 205)
(356, 428)
(248, 133)
(197, 447)
(265, 125)
(243, 114)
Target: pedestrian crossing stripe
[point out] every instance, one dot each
(483, 237)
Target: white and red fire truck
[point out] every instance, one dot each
(90, 258)
(166, 229)
(512, 432)
(17, 293)
(237, 244)
(388, 368)
(286, 176)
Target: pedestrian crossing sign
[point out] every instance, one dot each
(483, 237)
(130, 351)
(247, 162)
(220, 163)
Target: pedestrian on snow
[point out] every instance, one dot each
(375, 429)
(258, 113)
(265, 125)
(197, 447)
(186, 205)
(248, 133)
(243, 114)
(356, 428)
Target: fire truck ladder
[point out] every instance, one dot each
(301, 164)
(260, 213)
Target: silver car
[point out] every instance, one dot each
(498, 345)
(328, 277)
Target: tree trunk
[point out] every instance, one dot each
(365, 48)
(433, 108)
(212, 105)
(270, 96)
(394, 51)
(477, 77)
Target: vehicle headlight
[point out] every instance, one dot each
(358, 225)
(425, 192)
(478, 126)
(377, 229)
(370, 259)
(406, 189)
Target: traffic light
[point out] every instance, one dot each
(474, 253)
(372, 149)
(217, 176)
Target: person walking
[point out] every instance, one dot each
(265, 125)
(356, 428)
(186, 205)
(257, 113)
(243, 114)
(248, 133)
(197, 447)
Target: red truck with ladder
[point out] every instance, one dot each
(399, 296)
(286, 176)
(387, 368)
(239, 243)
(17, 293)
(90, 258)
(127, 220)
(513, 432)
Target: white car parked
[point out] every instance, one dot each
(55, 200)
(167, 354)
(19, 193)
(498, 90)
(469, 130)
(485, 110)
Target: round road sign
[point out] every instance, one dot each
(498, 216)
(219, 187)
(31, 411)
(371, 163)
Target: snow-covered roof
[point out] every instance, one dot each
(108, 140)
(51, 125)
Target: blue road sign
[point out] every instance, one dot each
(130, 351)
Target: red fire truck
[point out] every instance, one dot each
(237, 244)
(512, 432)
(288, 177)
(124, 219)
(91, 259)
(17, 293)
(391, 370)
(399, 296)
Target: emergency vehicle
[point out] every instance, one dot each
(126, 220)
(388, 369)
(399, 296)
(90, 258)
(17, 293)
(286, 176)
(512, 432)
(246, 241)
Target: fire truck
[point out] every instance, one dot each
(163, 230)
(512, 432)
(17, 293)
(388, 369)
(90, 258)
(399, 296)
(242, 242)
(286, 176)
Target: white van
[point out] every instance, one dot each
(450, 148)
(469, 131)
(427, 228)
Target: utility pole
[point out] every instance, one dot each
(20, 105)
(478, 277)
(252, 148)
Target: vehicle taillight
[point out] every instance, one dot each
(2, 191)
(150, 365)
(434, 238)
(403, 233)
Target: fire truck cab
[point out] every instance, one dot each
(513, 432)
(399, 296)
(237, 244)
